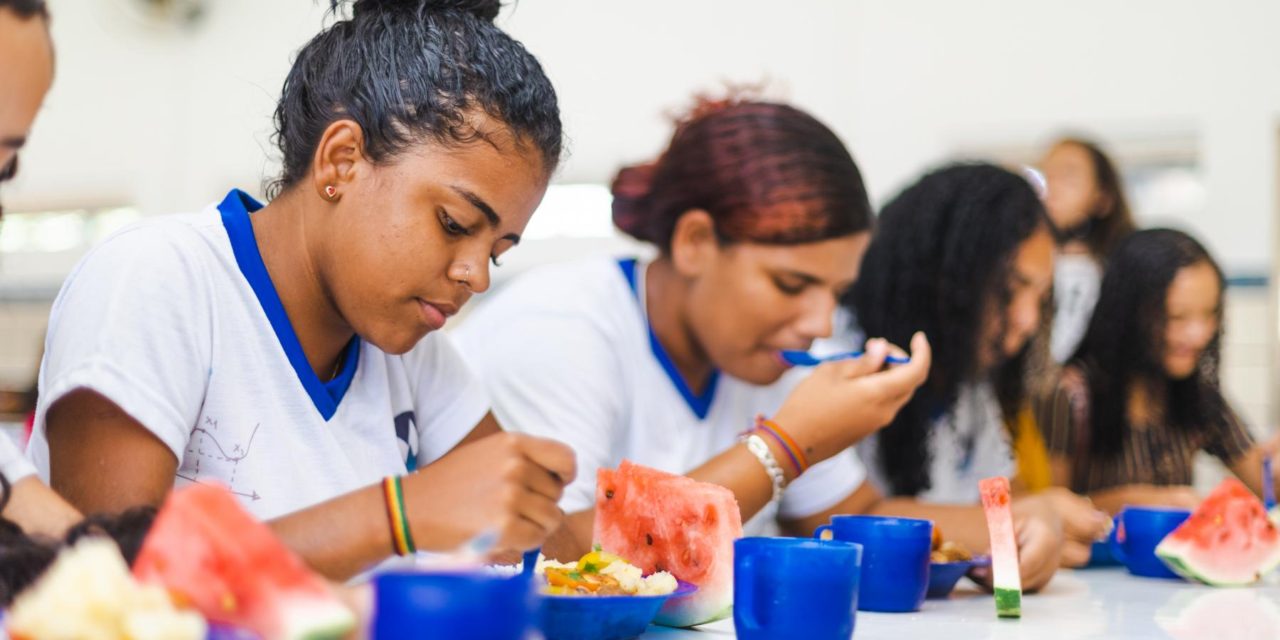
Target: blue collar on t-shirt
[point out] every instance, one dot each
(326, 396)
(699, 404)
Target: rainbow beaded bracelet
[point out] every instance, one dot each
(401, 536)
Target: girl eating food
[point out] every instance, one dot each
(290, 350)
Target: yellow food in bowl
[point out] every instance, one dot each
(600, 573)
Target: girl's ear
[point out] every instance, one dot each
(339, 158)
(694, 243)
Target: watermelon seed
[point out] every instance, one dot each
(608, 494)
(648, 539)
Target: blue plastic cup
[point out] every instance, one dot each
(895, 559)
(1137, 532)
(452, 605)
(795, 588)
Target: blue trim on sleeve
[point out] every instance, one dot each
(326, 396)
(700, 405)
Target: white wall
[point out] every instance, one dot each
(169, 120)
(162, 119)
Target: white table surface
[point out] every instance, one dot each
(1089, 603)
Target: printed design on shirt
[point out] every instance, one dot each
(407, 435)
(204, 447)
(1072, 300)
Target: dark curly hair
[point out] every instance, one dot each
(23, 558)
(764, 172)
(409, 71)
(1104, 229)
(939, 260)
(1125, 340)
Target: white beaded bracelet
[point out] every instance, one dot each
(760, 449)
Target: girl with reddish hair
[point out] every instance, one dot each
(761, 218)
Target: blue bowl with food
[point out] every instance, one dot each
(589, 617)
(943, 576)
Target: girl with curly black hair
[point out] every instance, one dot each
(1141, 396)
(290, 350)
(965, 255)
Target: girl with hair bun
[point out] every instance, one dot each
(290, 350)
(761, 219)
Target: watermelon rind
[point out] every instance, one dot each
(204, 543)
(648, 516)
(1197, 549)
(1172, 553)
(690, 611)
(1008, 603)
(317, 621)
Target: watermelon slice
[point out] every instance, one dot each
(1004, 546)
(1227, 541)
(212, 555)
(663, 522)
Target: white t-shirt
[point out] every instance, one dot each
(968, 443)
(176, 321)
(566, 353)
(1077, 282)
(13, 465)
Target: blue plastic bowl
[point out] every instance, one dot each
(601, 617)
(943, 576)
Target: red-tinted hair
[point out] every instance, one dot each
(765, 173)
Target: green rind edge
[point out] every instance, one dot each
(667, 619)
(335, 628)
(1008, 603)
(1180, 567)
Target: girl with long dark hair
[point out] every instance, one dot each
(1141, 396)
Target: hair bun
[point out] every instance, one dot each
(630, 191)
(486, 10)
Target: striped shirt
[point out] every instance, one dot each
(1151, 454)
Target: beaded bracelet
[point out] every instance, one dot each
(789, 445)
(401, 536)
(760, 449)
